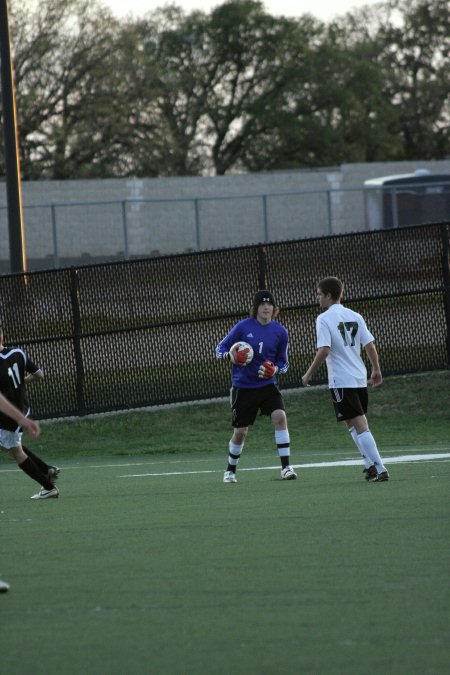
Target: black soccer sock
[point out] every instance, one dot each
(284, 461)
(37, 460)
(30, 468)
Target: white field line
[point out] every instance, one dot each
(343, 462)
(317, 465)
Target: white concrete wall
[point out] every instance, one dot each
(87, 230)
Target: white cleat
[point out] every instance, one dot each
(288, 473)
(229, 477)
(47, 494)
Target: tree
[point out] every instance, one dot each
(416, 67)
(259, 62)
(233, 90)
(70, 96)
(219, 79)
(407, 43)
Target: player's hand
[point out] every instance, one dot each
(267, 369)
(376, 378)
(305, 381)
(240, 357)
(31, 427)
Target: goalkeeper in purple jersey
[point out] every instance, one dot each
(254, 387)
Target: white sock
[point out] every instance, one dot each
(234, 453)
(370, 450)
(354, 435)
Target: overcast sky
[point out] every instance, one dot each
(324, 10)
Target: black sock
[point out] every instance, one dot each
(37, 460)
(284, 461)
(232, 468)
(30, 468)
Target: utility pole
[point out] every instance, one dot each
(12, 161)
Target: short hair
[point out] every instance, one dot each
(332, 286)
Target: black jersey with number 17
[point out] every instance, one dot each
(14, 364)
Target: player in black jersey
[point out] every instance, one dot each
(32, 429)
(15, 370)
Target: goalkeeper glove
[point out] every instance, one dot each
(226, 356)
(239, 354)
(267, 369)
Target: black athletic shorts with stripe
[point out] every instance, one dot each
(349, 403)
(246, 403)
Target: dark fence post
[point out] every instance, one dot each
(77, 341)
(17, 258)
(126, 253)
(329, 212)
(55, 237)
(262, 268)
(445, 234)
(266, 222)
(197, 225)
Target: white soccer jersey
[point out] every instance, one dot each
(344, 331)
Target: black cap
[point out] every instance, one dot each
(263, 296)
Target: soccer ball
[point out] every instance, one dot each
(241, 347)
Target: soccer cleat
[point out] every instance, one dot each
(47, 494)
(3, 586)
(370, 473)
(53, 474)
(381, 477)
(229, 477)
(288, 473)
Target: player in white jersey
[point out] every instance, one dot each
(254, 387)
(341, 333)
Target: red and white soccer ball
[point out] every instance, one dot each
(241, 353)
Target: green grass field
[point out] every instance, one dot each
(149, 564)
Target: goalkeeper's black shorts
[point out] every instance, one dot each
(246, 403)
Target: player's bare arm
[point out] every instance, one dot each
(30, 426)
(376, 377)
(38, 375)
(319, 358)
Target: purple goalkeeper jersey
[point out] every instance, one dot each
(269, 342)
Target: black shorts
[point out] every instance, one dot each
(349, 403)
(245, 404)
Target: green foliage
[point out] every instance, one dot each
(409, 50)
(236, 89)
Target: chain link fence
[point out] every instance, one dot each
(89, 232)
(143, 333)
